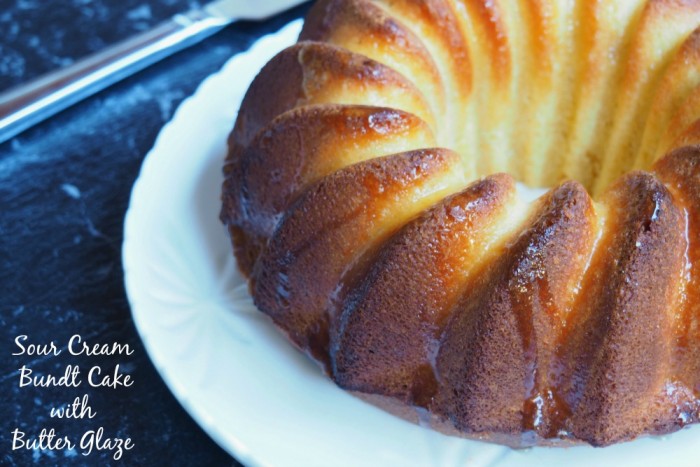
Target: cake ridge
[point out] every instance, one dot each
(361, 27)
(645, 68)
(684, 69)
(605, 47)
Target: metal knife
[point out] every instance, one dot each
(30, 103)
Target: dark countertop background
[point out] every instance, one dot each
(64, 190)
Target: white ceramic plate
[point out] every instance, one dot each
(232, 371)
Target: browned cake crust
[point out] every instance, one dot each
(304, 74)
(378, 36)
(616, 359)
(304, 145)
(445, 294)
(388, 330)
(325, 234)
(680, 170)
(497, 351)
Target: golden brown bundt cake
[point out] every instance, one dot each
(368, 203)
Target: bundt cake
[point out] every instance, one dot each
(379, 193)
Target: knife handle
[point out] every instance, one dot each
(29, 103)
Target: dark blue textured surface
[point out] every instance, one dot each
(64, 189)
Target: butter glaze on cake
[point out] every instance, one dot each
(433, 288)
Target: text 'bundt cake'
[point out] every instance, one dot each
(360, 201)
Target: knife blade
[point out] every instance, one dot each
(30, 103)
